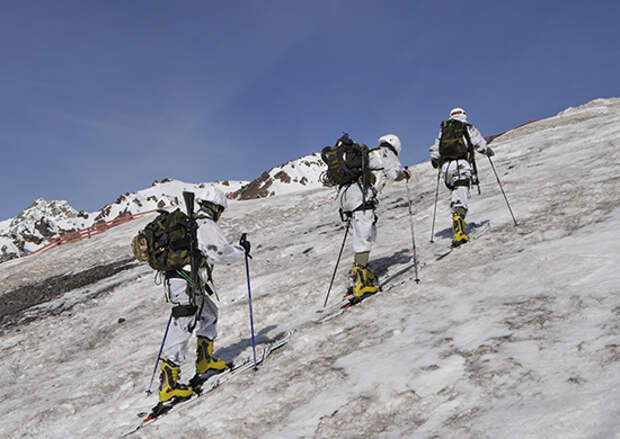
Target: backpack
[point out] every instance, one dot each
(452, 146)
(347, 162)
(165, 242)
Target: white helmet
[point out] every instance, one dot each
(458, 112)
(211, 194)
(391, 140)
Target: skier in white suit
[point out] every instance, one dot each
(384, 166)
(203, 313)
(453, 151)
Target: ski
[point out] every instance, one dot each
(474, 233)
(386, 283)
(210, 384)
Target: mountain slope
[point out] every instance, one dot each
(43, 221)
(294, 176)
(515, 335)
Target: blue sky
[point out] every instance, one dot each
(98, 98)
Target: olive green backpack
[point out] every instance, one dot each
(347, 162)
(165, 242)
(452, 146)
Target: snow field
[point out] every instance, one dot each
(515, 335)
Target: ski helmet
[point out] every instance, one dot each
(391, 140)
(458, 112)
(213, 195)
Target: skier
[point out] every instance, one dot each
(358, 201)
(452, 154)
(213, 245)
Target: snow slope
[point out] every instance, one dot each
(515, 335)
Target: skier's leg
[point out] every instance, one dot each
(459, 199)
(175, 347)
(206, 362)
(364, 235)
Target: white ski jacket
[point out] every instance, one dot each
(213, 244)
(476, 139)
(385, 166)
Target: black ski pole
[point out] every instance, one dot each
(435, 208)
(161, 348)
(502, 189)
(415, 257)
(247, 272)
(337, 262)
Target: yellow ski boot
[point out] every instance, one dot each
(206, 364)
(364, 281)
(169, 386)
(458, 228)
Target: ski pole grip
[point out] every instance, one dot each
(243, 242)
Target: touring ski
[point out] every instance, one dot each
(386, 283)
(210, 384)
(474, 233)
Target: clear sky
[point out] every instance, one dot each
(98, 98)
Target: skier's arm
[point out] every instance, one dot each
(213, 244)
(478, 141)
(392, 167)
(434, 150)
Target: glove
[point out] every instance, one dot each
(243, 242)
(407, 173)
(489, 152)
(435, 163)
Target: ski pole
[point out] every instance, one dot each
(337, 262)
(435, 208)
(247, 272)
(502, 188)
(415, 257)
(161, 348)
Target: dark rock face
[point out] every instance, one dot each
(256, 189)
(14, 302)
(44, 229)
(283, 177)
(6, 255)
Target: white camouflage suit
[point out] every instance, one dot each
(384, 165)
(217, 250)
(454, 171)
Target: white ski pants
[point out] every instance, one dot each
(457, 177)
(362, 221)
(175, 347)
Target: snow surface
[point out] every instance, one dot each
(515, 335)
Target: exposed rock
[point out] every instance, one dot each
(283, 177)
(12, 302)
(256, 189)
